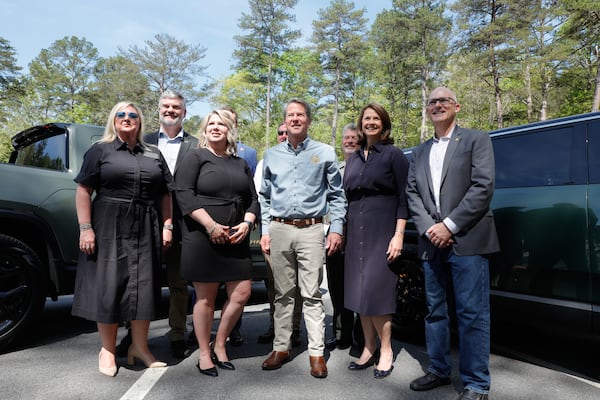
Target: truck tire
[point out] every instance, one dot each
(22, 294)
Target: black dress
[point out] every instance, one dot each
(117, 282)
(375, 189)
(224, 188)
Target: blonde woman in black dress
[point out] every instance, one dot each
(216, 193)
(122, 230)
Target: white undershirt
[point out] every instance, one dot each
(170, 148)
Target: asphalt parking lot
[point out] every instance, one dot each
(59, 361)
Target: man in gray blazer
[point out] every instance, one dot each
(450, 187)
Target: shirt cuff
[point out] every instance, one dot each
(336, 227)
(450, 225)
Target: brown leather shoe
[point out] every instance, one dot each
(318, 368)
(276, 360)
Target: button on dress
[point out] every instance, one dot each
(375, 189)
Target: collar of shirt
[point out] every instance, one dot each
(445, 138)
(121, 145)
(301, 146)
(164, 136)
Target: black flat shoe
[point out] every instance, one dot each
(354, 366)
(209, 371)
(379, 373)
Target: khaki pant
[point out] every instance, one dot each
(270, 284)
(297, 257)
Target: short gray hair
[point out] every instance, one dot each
(171, 94)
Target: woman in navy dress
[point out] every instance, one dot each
(374, 180)
(121, 234)
(215, 190)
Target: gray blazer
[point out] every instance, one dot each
(466, 191)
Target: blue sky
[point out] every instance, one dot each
(32, 25)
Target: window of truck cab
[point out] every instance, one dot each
(49, 153)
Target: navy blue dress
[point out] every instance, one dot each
(117, 282)
(375, 189)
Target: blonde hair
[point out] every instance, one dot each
(110, 130)
(232, 133)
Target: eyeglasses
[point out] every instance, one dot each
(122, 114)
(279, 133)
(444, 101)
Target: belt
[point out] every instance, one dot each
(299, 222)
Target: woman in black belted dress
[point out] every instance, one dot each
(122, 232)
(216, 194)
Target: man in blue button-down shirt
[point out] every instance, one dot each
(301, 184)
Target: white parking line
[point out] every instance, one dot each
(142, 386)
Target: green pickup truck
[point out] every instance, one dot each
(38, 223)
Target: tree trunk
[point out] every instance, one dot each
(336, 105)
(596, 101)
(529, 95)
(424, 132)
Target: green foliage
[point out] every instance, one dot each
(510, 62)
(168, 63)
(268, 36)
(338, 38)
(5, 147)
(61, 76)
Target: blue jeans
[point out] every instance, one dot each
(470, 279)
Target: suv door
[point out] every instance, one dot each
(541, 209)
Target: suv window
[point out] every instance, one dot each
(594, 151)
(541, 158)
(49, 153)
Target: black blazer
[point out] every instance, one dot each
(189, 142)
(467, 187)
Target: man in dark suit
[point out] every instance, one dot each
(173, 143)
(450, 187)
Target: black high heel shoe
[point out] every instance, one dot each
(221, 364)
(209, 371)
(379, 373)
(354, 366)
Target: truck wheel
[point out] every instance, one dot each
(21, 288)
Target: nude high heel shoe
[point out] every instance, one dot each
(108, 371)
(133, 353)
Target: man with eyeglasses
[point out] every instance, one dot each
(449, 189)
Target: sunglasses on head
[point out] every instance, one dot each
(122, 114)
